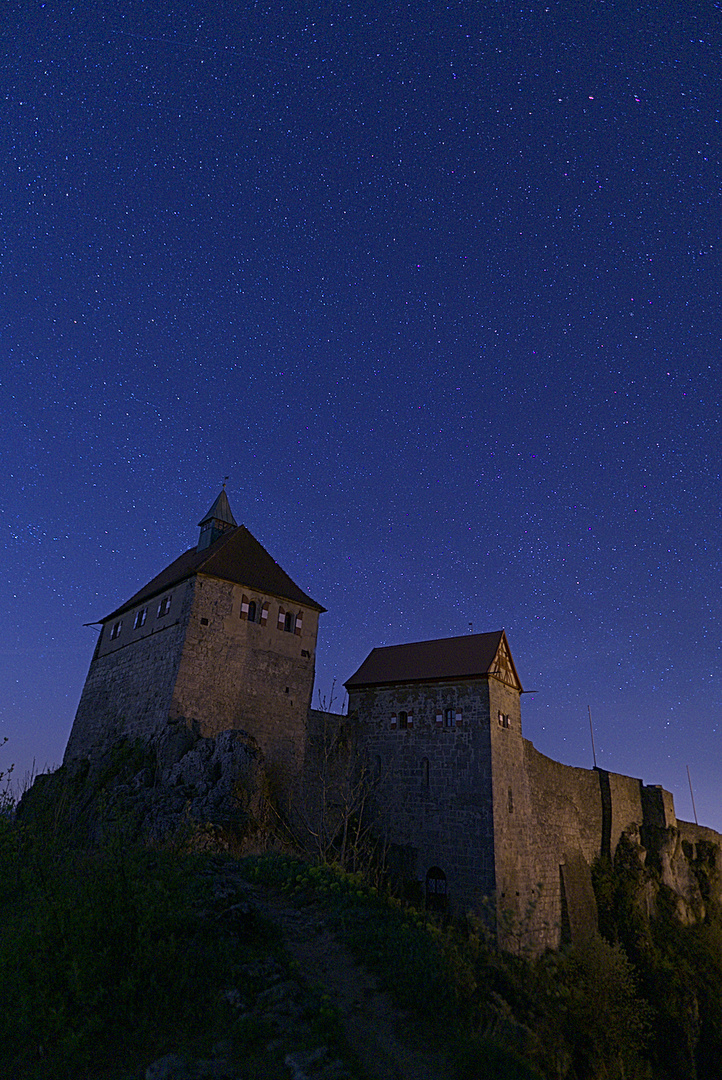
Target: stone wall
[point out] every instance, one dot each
(250, 675)
(627, 806)
(564, 821)
(191, 656)
(584, 814)
(579, 812)
(516, 887)
(434, 796)
(130, 683)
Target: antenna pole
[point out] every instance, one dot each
(694, 808)
(591, 732)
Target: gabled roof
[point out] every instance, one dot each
(468, 657)
(235, 556)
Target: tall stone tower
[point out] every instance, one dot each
(221, 638)
(441, 723)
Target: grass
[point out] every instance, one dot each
(102, 951)
(113, 956)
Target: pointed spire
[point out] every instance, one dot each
(218, 520)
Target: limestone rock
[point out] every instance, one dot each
(215, 787)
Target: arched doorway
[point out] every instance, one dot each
(436, 894)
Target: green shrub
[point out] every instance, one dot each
(101, 950)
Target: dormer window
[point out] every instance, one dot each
(164, 606)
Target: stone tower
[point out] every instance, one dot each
(221, 638)
(441, 724)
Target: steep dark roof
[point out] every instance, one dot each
(427, 661)
(236, 556)
(220, 511)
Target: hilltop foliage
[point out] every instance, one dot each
(115, 953)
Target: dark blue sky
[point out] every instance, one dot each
(436, 285)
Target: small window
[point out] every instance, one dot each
(289, 622)
(252, 611)
(164, 606)
(140, 617)
(115, 632)
(504, 720)
(204, 622)
(425, 772)
(511, 801)
(449, 718)
(403, 720)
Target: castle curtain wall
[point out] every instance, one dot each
(567, 822)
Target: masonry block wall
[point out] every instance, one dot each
(567, 821)
(516, 887)
(192, 656)
(253, 675)
(461, 789)
(429, 745)
(132, 675)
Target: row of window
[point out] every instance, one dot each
(255, 611)
(449, 718)
(140, 618)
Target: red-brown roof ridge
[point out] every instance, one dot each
(465, 657)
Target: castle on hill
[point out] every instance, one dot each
(222, 638)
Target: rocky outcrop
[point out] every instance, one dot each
(670, 874)
(218, 782)
(214, 790)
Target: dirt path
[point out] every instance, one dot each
(388, 1046)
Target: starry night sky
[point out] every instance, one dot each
(436, 285)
